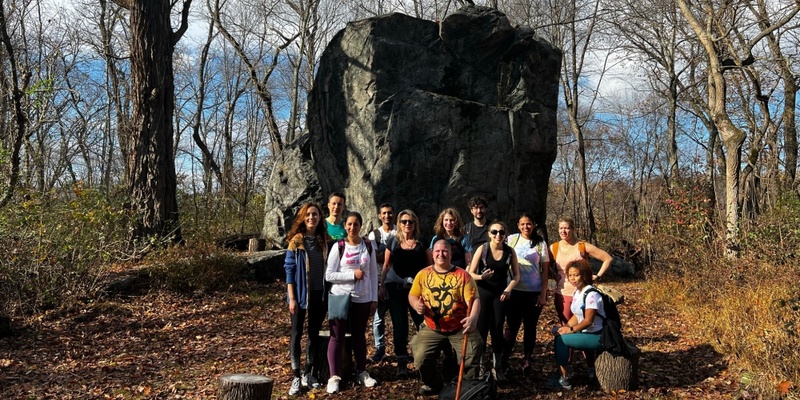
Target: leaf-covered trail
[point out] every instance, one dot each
(164, 346)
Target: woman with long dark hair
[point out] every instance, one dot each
(496, 272)
(352, 270)
(530, 293)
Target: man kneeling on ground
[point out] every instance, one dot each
(447, 297)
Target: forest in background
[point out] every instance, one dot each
(677, 139)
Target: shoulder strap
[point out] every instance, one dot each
(508, 251)
(516, 240)
(366, 240)
(555, 251)
(340, 242)
(586, 293)
(484, 249)
(377, 234)
(582, 249)
(392, 244)
(367, 243)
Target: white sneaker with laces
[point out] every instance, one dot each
(366, 380)
(310, 381)
(333, 384)
(295, 388)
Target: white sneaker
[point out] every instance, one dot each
(309, 381)
(295, 388)
(333, 384)
(366, 380)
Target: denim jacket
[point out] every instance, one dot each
(296, 266)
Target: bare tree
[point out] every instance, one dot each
(783, 64)
(711, 25)
(15, 89)
(651, 28)
(152, 180)
(260, 79)
(575, 34)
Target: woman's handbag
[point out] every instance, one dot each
(338, 306)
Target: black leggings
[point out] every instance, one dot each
(522, 308)
(491, 319)
(316, 311)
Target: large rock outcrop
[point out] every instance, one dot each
(425, 115)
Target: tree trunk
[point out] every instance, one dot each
(16, 87)
(615, 373)
(245, 387)
(152, 180)
(733, 154)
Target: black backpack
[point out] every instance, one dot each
(611, 336)
(471, 389)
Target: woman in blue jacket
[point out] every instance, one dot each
(306, 256)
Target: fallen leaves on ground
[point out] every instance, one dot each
(167, 346)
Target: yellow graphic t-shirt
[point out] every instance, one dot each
(446, 296)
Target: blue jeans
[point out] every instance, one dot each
(577, 341)
(379, 327)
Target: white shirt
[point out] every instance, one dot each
(593, 301)
(341, 272)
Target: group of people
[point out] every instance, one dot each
(471, 281)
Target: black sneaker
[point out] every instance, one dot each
(559, 382)
(402, 368)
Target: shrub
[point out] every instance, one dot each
(746, 308)
(56, 248)
(196, 268)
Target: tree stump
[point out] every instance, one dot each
(616, 373)
(322, 369)
(255, 245)
(245, 387)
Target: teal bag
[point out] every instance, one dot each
(338, 306)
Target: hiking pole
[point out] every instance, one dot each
(461, 367)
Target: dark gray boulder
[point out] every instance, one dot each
(425, 115)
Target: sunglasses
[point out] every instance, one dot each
(407, 221)
(495, 232)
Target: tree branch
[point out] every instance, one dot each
(184, 22)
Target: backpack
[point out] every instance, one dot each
(366, 241)
(554, 268)
(485, 249)
(611, 335)
(471, 389)
(538, 250)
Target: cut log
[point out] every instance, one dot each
(322, 369)
(616, 373)
(256, 244)
(245, 387)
